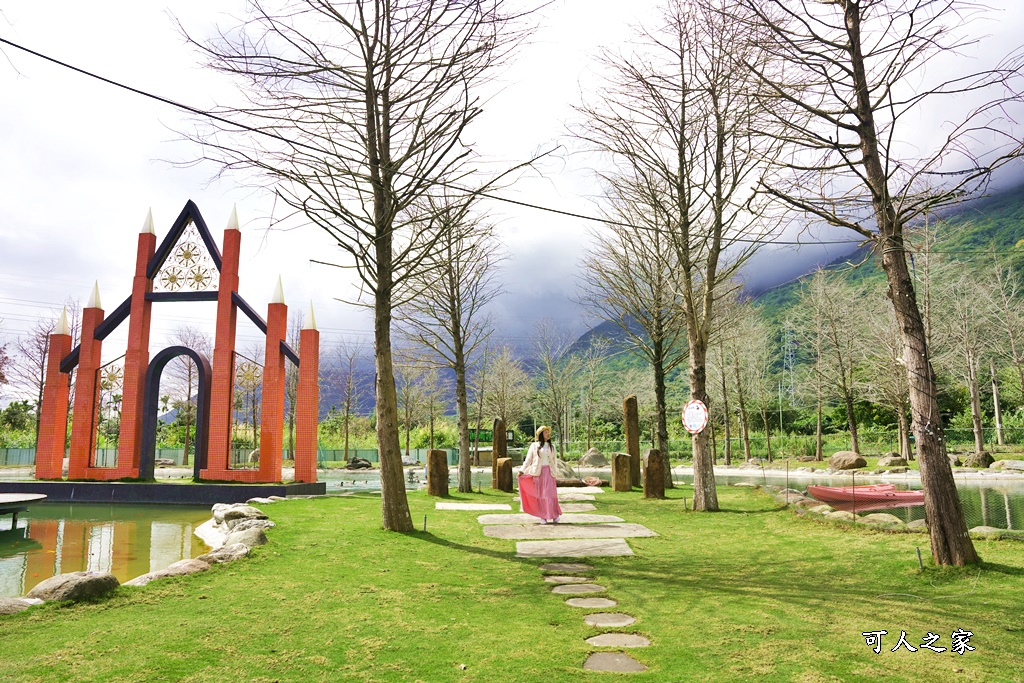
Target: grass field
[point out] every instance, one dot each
(751, 592)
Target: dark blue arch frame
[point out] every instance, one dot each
(150, 402)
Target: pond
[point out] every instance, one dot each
(125, 540)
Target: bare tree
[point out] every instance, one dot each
(682, 124)
(363, 108)
(855, 72)
(446, 319)
(291, 378)
(412, 398)
(346, 356)
(557, 376)
(185, 376)
(508, 388)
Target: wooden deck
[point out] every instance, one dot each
(13, 503)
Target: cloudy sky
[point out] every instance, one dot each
(83, 162)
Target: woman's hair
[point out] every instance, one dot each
(540, 435)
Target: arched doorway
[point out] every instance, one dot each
(151, 400)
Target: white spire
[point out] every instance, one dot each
(147, 225)
(62, 322)
(310, 323)
(94, 298)
(233, 219)
(278, 297)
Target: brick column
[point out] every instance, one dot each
(223, 379)
(307, 406)
(53, 414)
(136, 362)
(83, 422)
(272, 410)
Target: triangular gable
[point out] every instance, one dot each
(190, 214)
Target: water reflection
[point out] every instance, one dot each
(125, 540)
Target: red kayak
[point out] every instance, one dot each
(879, 493)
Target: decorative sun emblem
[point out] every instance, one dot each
(188, 253)
(172, 278)
(199, 278)
(249, 374)
(112, 377)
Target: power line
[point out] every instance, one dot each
(281, 138)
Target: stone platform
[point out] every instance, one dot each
(568, 531)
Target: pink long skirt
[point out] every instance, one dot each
(539, 495)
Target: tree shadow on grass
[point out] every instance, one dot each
(486, 552)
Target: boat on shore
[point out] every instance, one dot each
(866, 495)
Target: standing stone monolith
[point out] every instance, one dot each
(621, 477)
(499, 449)
(631, 418)
(505, 475)
(654, 474)
(437, 473)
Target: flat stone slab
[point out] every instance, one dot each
(608, 619)
(523, 518)
(575, 496)
(603, 547)
(567, 579)
(579, 489)
(566, 567)
(528, 531)
(577, 507)
(471, 506)
(591, 603)
(612, 661)
(578, 589)
(618, 640)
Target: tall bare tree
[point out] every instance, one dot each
(445, 320)
(679, 120)
(369, 101)
(557, 375)
(856, 73)
(185, 376)
(883, 363)
(345, 358)
(508, 388)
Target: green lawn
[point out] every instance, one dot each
(751, 592)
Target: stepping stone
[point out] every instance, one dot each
(523, 518)
(618, 640)
(538, 531)
(612, 661)
(567, 579)
(575, 496)
(577, 507)
(578, 589)
(608, 620)
(565, 567)
(471, 506)
(591, 603)
(579, 489)
(604, 547)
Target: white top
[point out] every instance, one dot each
(537, 457)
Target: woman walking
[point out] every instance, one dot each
(538, 492)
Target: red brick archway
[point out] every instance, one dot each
(155, 264)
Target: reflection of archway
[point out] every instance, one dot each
(147, 456)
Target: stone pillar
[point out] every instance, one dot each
(437, 472)
(136, 361)
(222, 383)
(631, 420)
(621, 477)
(307, 406)
(53, 419)
(83, 422)
(654, 474)
(272, 408)
(505, 475)
(499, 449)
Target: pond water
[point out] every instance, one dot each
(125, 540)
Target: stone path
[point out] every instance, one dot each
(523, 518)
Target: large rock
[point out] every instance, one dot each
(75, 586)
(358, 464)
(892, 460)
(917, 524)
(241, 513)
(846, 460)
(252, 524)
(842, 515)
(565, 470)
(954, 460)
(227, 553)
(1008, 465)
(248, 537)
(593, 458)
(15, 605)
(881, 519)
(179, 568)
(981, 460)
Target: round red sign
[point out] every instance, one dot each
(695, 416)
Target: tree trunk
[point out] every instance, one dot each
(851, 420)
(705, 495)
(462, 407)
(903, 434)
(995, 404)
(726, 414)
(662, 410)
(744, 420)
(818, 435)
(975, 391)
(767, 430)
